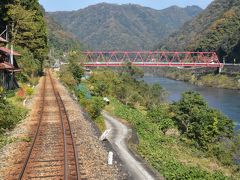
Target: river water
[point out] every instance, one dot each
(227, 101)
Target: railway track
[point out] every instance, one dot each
(52, 154)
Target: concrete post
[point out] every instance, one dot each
(220, 69)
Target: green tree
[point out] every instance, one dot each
(199, 122)
(154, 95)
(27, 27)
(27, 63)
(77, 72)
(130, 71)
(95, 107)
(74, 67)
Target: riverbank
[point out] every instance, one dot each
(199, 77)
(225, 100)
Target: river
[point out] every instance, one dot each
(227, 101)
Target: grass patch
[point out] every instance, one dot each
(100, 123)
(4, 140)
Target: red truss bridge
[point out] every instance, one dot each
(151, 58)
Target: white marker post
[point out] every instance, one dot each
(24, 102)
(110, 158)
(105, 134)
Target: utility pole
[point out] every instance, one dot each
(7, 33)
(11, 55)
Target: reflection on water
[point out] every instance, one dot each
(227, 101)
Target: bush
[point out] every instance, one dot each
(100, 123)
(29, 91)
(222, 152)
(67, 78)
(161, 116)
(77, 72)
(9, 115)
(95, 107)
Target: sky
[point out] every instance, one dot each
(68, 5)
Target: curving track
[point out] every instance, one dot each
(52, 154)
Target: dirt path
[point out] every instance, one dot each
(118, 138)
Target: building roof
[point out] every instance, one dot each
(6, 65)
(14, 70)
(2, 40)
(8, 51)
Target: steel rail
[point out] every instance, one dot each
(61, 104)
(72, 137)
(63, 129)
(36, 134)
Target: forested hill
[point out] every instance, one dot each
(131, 27)
(60, 40)
(217, 28)
(27, 32)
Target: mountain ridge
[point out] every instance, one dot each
(110, 26)
(60, 40)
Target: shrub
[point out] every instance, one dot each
(29, 91)
(67, 78)
(9, 115)
(100, 123)
(77, 72)
(161, 116)
(95, 107)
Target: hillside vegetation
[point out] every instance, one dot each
(59, 40)
(131, 27)
(215, 29)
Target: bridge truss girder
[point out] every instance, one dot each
(151, 58)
